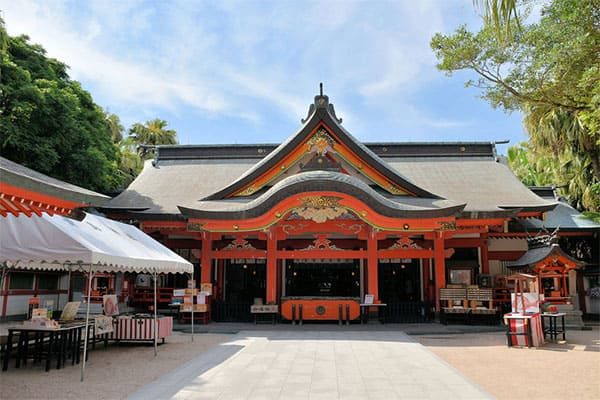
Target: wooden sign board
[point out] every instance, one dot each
(264, 309)
(103, 324)
(70, 311)
(206, 288)
(39, 313)
(110, 303)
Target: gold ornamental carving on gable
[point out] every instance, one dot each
(321, 243)
(250, 190)
(393, 189)
(447, 226)
(195, 226)
(321, 142)
(404, 243)
(239, 244)
(320, 208)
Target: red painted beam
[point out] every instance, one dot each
(405, 253)
(9, 190)
(318, 254)
(505, 255)
(9, 207)
(464, 242)
(234, 254)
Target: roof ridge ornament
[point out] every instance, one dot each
(321, 101)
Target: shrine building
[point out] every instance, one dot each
(322, 220)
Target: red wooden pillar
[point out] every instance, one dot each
(485, 263)
(271, 268)
(206, 259)
(220, 280)
(440, 266)
(425, 277)
(580, 292)
(372, 266)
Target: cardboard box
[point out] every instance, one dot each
(200, 307)
(185, 307)
(196, 307)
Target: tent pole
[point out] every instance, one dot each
(193, 307)
(4, 273)
(3, 291)
(155, 319)
(69, 287)
(87, 319)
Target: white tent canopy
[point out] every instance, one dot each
(56, 242)
(95, 243)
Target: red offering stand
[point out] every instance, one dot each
(141, 329)
(524, 323)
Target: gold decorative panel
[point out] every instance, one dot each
(320, 208)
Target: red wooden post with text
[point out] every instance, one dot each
(271, 267)
(205, 261)
(426, 278)
(485, 263)
(440, 267)
(373, 280)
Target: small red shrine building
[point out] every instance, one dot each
(551, 265)
(322, 219)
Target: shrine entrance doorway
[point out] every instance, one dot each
(323, 278)
(244, 283)
(400, 288)
(400, 280)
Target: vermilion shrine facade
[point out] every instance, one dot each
(323, 220)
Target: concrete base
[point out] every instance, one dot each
(573, 318)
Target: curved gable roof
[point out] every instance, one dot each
(321, 113)
(322, 181)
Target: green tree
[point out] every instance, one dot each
(151, 133)
(130, 164)
(48, 122)
(550, 71)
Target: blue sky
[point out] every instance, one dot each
(244, 72)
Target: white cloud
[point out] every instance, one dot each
(236, 59)
(122, 81)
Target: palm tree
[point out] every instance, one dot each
(556, 128)
(116, 129)
(150, 134)
(500, 14)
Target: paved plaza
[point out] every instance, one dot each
(314, 365)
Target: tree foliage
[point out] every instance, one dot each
(48, 122)
(550, 71)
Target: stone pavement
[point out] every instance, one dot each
(315, 365)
